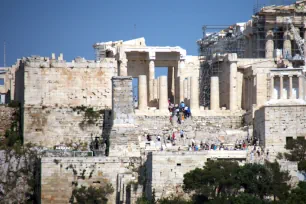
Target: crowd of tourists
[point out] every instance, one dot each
(180, 111)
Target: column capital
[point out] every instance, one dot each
(151, 55)
(290, 75)
(232, 57)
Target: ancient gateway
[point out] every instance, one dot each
(248, 82)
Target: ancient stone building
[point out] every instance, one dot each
(248, 82)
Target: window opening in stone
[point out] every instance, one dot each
(289, 141)
(1, 82)
(178, 164)
(109, 54)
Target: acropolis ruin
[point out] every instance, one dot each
(248, 82)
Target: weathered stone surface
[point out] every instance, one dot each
(7, 116)
(59, 175)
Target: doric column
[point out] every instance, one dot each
(272, 87)
(151, 79)
(155, 84)
(188, 87)
(287, 45)
(214, 93)
(194, 96)
(185, 89)
(170, 82)
(290, 87)
(233, 85)
(281, 86)
(163, 93)
(181, 80)
(142, 92)
(301, 91)
(181, 66)
(269, 44)
(158, 87)
(123, 67)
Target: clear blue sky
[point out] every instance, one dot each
(40, 27)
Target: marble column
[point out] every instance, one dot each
(214, 93)
(281, 86)
(290, 87)
(185, 89)
(181, 80)
(194, 94)
(301, 91)
(171, 83)
(188, 87)
(123, 67)
(272, 87)
(155, 84)
(181, 66)
(287, 45)
(142, 92)
(269, 44)
(151, 79)
(163, 93)
(233, 85)
(158, 88)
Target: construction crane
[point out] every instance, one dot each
(299, 41)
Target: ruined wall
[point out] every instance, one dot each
(58, 176)
(7, 116)
(274, 123)
(50, 126)
(53, 92)
(165, 170)
(66, 85)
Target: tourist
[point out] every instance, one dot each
(182, 105)
(158, 138)
(182, 133)
(149, 138)
(252, 155)
(173, 136)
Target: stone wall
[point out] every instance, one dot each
(273, 124)
(7, 116)
(58, 176)
(69, 84)
(50, 126)
(54, 92)
(165, 170)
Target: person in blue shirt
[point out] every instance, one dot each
(182, 105)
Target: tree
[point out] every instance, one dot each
(245, 198)
(216, 179)
(279, 187)
(297, 153)
(255, 179)
(298, 194)
(227, 182)
(174, 200)
(92, 195)
(297, 149)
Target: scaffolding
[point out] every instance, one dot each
(212, 45)
(248, 40)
